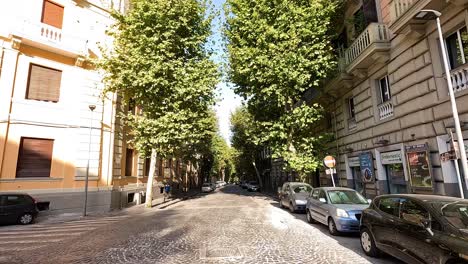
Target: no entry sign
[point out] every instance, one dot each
(329, 162)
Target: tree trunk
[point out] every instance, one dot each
(258, 175)
(149, 183)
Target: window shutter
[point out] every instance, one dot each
(44, 84)
(35, 157)
(52, 14)
(370, 11)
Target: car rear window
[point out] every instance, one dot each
(390, 206)
(302, 189)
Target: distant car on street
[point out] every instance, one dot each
(293, 195)
(206, 187)
(18, 208)
(339, 208)
(253, 186)
(417, 228)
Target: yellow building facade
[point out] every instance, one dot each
(48, 134)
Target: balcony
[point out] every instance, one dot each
(459, 77)
(49, 38)
(370, 46)
(385, 110)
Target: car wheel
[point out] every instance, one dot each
(332, 227)
(26, 219)
(368, 243)
(291, 208)
(309, 217)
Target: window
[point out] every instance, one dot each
(352, 111)
(34, 157)
(15, 200)
(390, 206)
(384, 90)
(346, 197)
(129, 162)
(323, 195)
(302, 189)
(52, 14)
(364, 16)
(43, 83)
(457, 48)
(413, 212)
(147, 166)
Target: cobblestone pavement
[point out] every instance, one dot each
(227, 226)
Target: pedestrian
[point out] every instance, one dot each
(167, 189)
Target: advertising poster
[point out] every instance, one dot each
(367, 167)
(418, 166)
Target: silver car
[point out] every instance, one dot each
(293, 195)
(339, 208)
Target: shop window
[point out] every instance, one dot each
(457, 47)
(52, 14)
(43, 83)
(357, 179)
(34, 157)
(129, 162)
(396, 178)
(384, 90)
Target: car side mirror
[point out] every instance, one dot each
(426, 224)
(322, 200)
(369, 201)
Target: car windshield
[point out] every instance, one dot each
(456, 213)
(346, 197)
(302, 188)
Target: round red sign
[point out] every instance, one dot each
(329, 162)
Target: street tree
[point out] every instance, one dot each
(277, 51)
(161, 62)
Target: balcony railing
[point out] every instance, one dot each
(401, 6)
(385, 110)
(46, 36)
(374, 33)
(459, 78)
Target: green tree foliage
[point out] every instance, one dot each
(160, 61)
(278, 49)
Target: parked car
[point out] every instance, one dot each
(206, 187)
(213, 186)
(18, 208)
(417, 228)
(294, 196)
(253, 186)
(339, 208)
(244, 184)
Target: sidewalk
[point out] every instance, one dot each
(158, 203)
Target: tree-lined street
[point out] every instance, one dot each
(230, 225)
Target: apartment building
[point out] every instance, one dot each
(389, 103)
(50, 139)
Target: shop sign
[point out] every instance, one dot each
(353, 162)
(367, 167)
(419, 166)
(393, 157)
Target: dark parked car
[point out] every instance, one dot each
(253, 186)
(17, 208)
(417, 228)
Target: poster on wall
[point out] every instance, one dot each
(419, 166)
(367, 167)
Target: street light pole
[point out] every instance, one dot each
(456, 119)
(91, 107)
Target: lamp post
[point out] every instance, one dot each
(91, 107)
(428, 14)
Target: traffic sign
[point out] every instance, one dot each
(329, 162)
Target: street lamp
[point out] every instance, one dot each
(428, 14)
(91, 107)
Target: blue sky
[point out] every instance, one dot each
(228, 101)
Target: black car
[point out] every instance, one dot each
(253, 186)
(417, 228)
(17, 208)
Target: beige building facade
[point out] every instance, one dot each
(49, 138)
(389, 102)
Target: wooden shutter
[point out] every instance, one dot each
(370, 11)
(43, 83)
(35, 157)
(52, 14)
